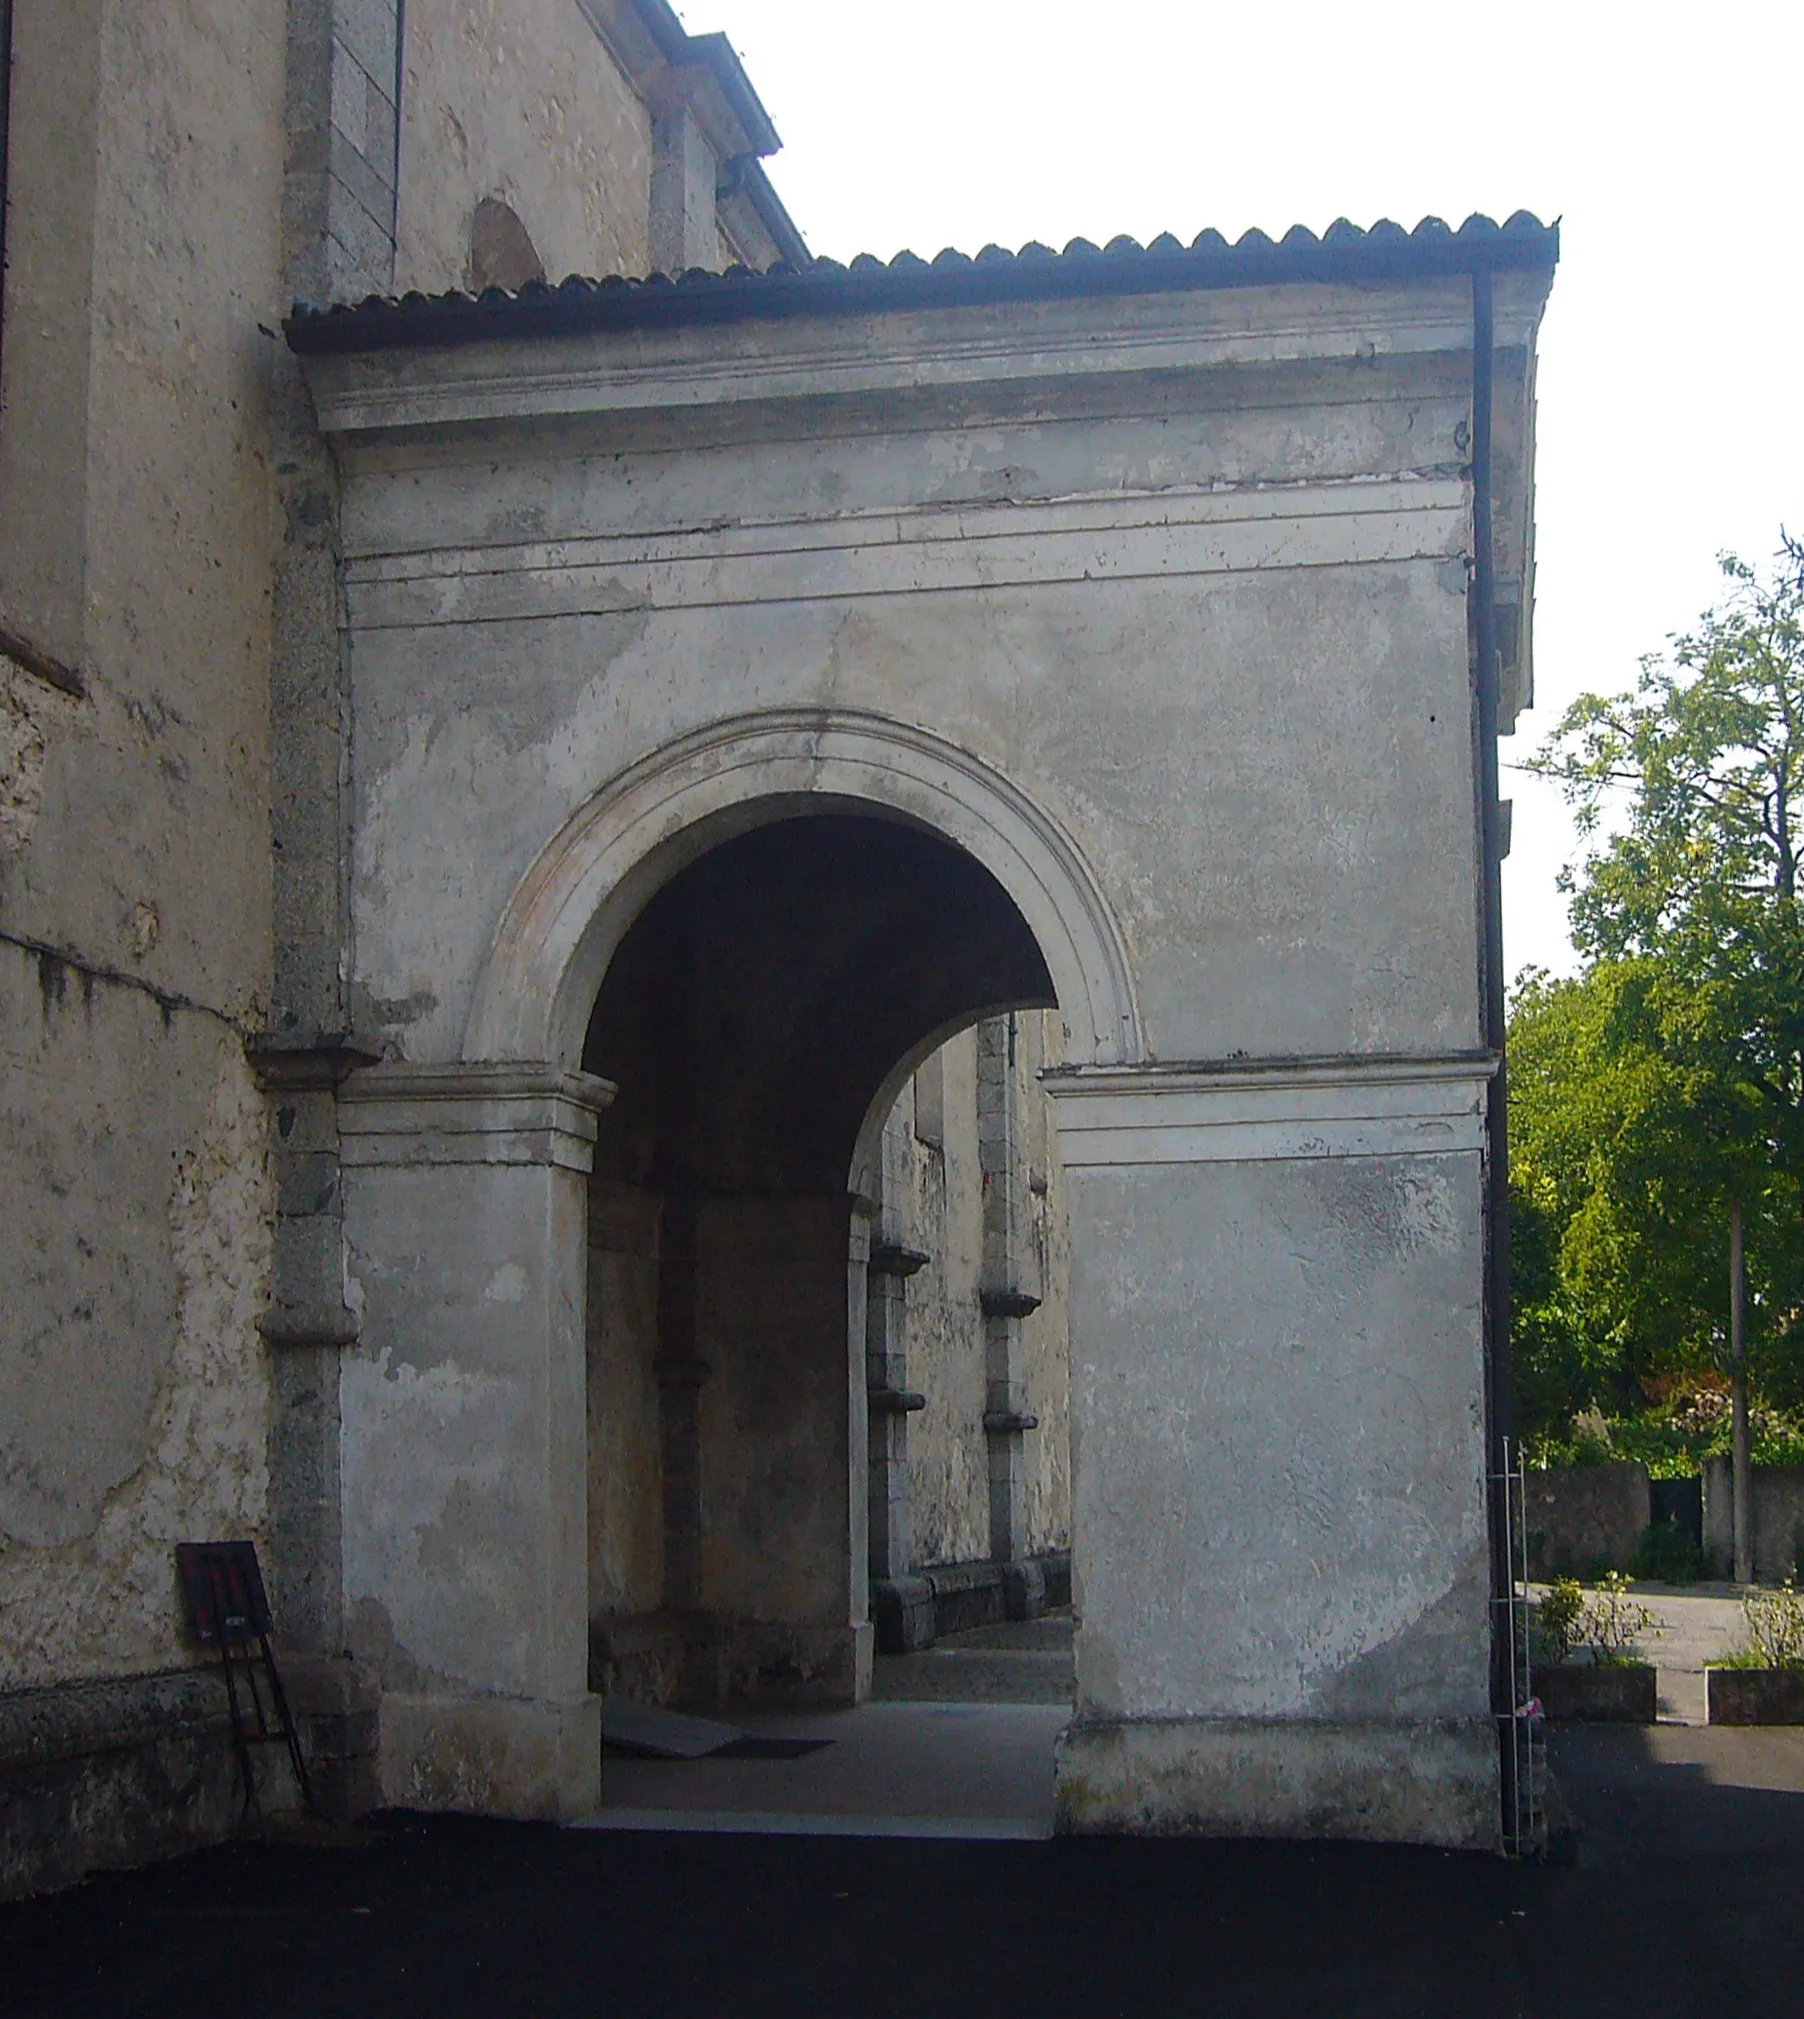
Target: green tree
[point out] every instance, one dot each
(1663, 1111)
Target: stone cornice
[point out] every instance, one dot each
(941, 349)
(1256, 1111)
(667, 65)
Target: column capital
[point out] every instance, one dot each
(471, 1112)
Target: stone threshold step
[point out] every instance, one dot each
(784, 1823)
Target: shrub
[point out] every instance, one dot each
(1775, 1623)
(1611, 1622)
(1667, 1555)
(1554, 1624)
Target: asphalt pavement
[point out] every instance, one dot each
(1686, 1896)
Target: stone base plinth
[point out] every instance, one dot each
(528, 1758)
(778, 1666)
(1388, 1783)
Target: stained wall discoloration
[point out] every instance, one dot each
(1374, 1780)
(1349, 601)
(948, 1489)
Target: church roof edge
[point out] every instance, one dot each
(1343, 253)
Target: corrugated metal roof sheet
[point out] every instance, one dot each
(1344, 252)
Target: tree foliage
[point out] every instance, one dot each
(1668, 1078)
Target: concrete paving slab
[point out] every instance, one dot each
(780, 1823)
(973, 1763)
(975, 1675)
(652, 1732)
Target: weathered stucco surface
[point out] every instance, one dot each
(1278, 1374)
(1190, 573)
(134, 1400)
(626, 1474)
(518, 100)
(135, 528)
(947, 1484)
(1314, 528)
(942, 1217)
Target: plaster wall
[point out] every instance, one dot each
(134, 1389)
(135, 546)
(518, 100)
(1280, 1454)
(772, 1325)
(1170, 626)
(1189, 574)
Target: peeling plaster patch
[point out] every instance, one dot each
(21, 767)
(506, 1286)
(108, 1604)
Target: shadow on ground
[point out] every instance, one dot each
(1685, 1899)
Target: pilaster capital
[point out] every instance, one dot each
(471, 1112)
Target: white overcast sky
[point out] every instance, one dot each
(1668, 140)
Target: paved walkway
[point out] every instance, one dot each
(892, 1769)
(1699, 1623)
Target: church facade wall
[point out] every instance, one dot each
(171, 761)
(135, 517)
(525, 104)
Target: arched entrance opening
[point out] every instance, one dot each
(763, 1018)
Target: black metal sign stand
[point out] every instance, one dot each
(227, 1608)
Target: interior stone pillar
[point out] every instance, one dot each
(889, 1399)
(1277, 1359)
(464, 1443)
(1005, 1299)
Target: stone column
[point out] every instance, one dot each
(308, 1325)
(1278, 1388)
(1006, 1300)
(889, 1399)
(464, 1432)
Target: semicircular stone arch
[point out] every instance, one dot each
(572, 908)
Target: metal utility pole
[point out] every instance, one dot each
(1741, 1451)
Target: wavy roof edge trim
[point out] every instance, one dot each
(576, 306)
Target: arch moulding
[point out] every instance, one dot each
(593, 878)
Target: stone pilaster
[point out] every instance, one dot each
(685, 229)
(308, 1323)
(344, 71)
(465, 1447)
(1282, 1574)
